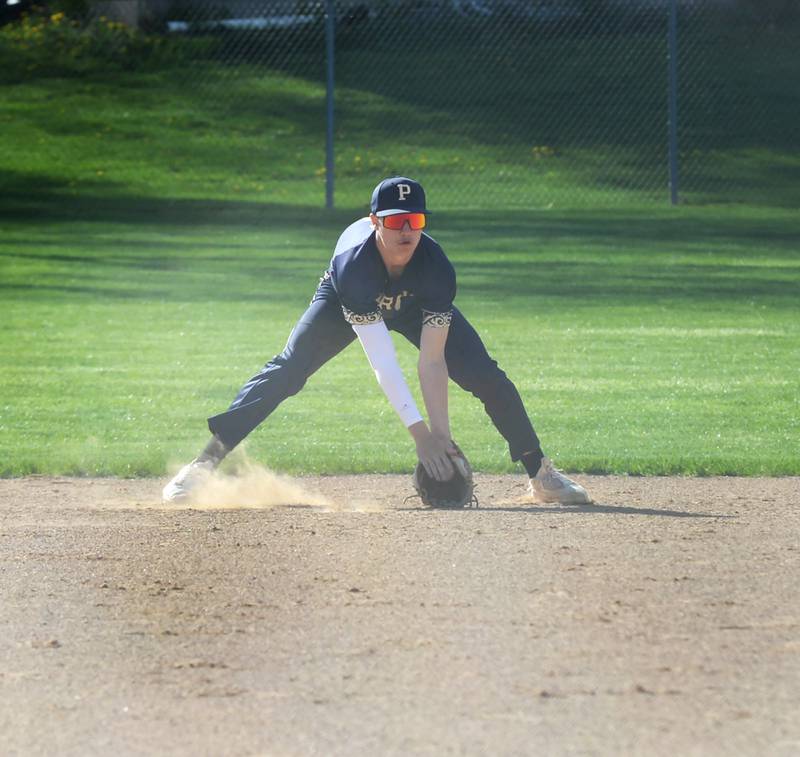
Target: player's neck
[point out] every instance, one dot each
(395, 272)
(394, 267)
(395, 260)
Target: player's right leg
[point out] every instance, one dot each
(320, 334)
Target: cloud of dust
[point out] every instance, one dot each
(245, 484)
(252, 487)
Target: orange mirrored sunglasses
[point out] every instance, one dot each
(416, 221)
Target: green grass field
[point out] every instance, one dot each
(155, 251)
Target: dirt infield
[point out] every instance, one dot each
(665, 620)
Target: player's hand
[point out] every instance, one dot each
(434, 453)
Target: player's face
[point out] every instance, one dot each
(397, 244)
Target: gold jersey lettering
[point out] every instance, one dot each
(391, 302)
(384, 302)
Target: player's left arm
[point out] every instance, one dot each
(433, 376)
(436, 301)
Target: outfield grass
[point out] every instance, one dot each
(156, 249)
(653, 342)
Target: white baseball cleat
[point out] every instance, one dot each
(551, 485)
(187, 480)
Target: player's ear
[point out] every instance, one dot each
(374, 219)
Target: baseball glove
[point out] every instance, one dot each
(455, 493)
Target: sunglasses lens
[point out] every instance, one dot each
(416, 221)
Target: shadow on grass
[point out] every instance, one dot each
(35, 197)
(98, 244)
(42, 198)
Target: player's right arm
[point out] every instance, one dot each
(433, 450)
(357, 294)
(379, 349)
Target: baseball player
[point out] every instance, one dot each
(387, 274)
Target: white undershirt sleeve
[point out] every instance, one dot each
(379, 348)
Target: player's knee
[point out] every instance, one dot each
(289, 372)
(491, 380)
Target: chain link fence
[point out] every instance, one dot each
(505, 103)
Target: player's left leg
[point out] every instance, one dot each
(473, 369)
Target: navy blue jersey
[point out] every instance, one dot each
(367, 293)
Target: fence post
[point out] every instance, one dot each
(673, 101)
(330, 30)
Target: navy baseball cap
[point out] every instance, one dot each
(398, 195)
